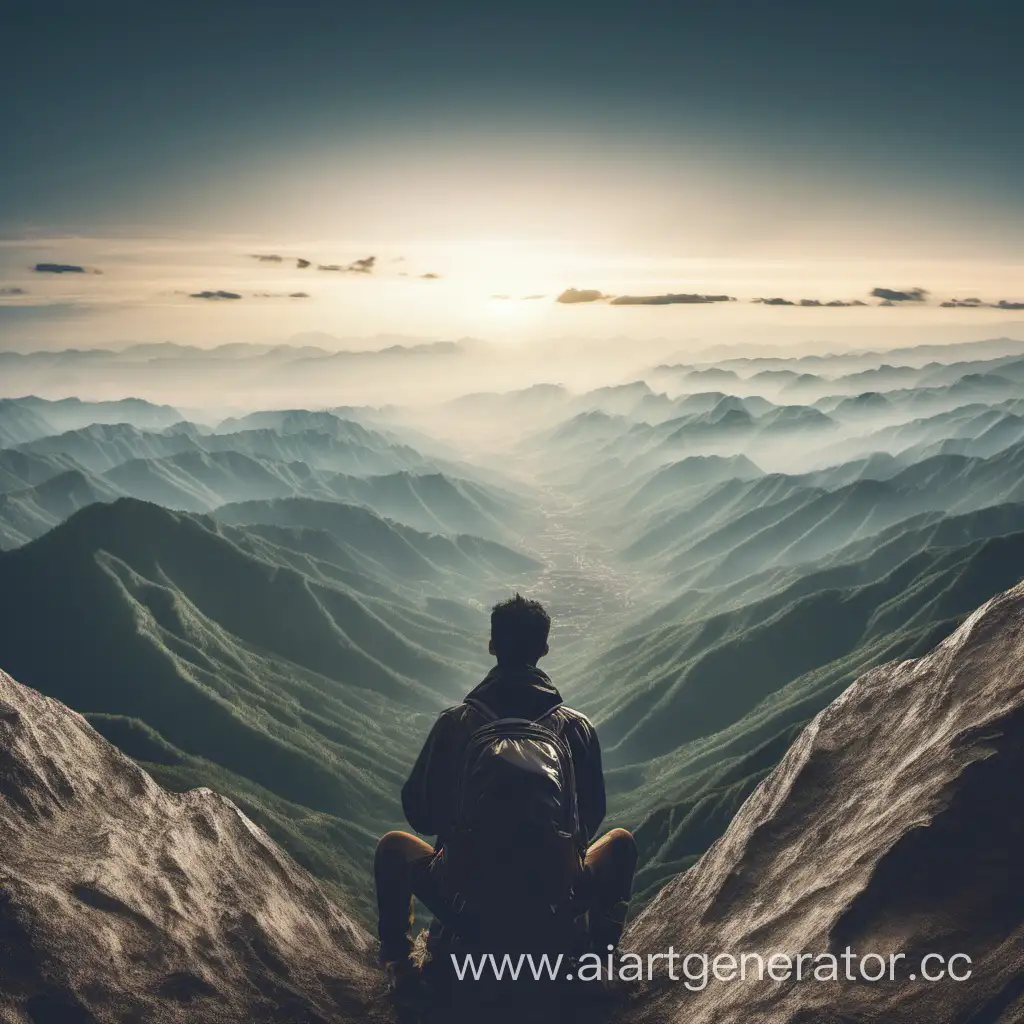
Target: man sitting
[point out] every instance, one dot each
(510, 783)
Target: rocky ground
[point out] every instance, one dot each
(120, 901)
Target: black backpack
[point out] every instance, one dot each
(515, 855)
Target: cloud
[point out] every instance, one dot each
(363, 266)
(267, 257)
(62, 268)
(669, 300)
(13, 291)
(215, 295)
(975, 303)
(501, 296)
(894, 295)
(527, 298)
(810, 303)
(272, 295)
(572, 295)
(301, 263)
(431, 277)
(298, 295)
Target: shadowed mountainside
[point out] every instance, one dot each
(892, 825)
(723, 695)
(295, 683)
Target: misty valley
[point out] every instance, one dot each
(276, 603)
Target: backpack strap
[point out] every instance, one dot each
(478, 705)
(547, 714)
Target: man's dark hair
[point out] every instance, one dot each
(519, 629)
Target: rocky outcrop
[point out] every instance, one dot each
(121, 901)
(894, 825)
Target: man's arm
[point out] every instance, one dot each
(590, 780)
(426, 795)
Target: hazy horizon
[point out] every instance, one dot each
(512, 175)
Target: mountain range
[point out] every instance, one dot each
(276, 602)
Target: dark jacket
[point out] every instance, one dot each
(428, 798)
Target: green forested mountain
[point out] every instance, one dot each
(205, 652)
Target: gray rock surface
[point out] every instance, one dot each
(121, 901)
(895, 824)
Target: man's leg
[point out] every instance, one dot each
(609, 865)
(400, 866)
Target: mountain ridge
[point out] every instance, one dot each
(898, 835)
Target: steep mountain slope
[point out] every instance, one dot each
(295, 686)
(693, 678)
(20, 470)
(20, 423)
(892, 826)
(72, 413)
(25, 515)
(30, 418)
(721, 535)
(857, 563)
(283, 421)
(972, 428)
(196, 480)
(199, 481)
(401, 549)
(437, 503)
(340, 446)
(693, 714)
(664, 485)
(101, 446)
(121, 901)
(347, 448)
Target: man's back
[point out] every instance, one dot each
(521, 691)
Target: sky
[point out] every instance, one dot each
(490, 157)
